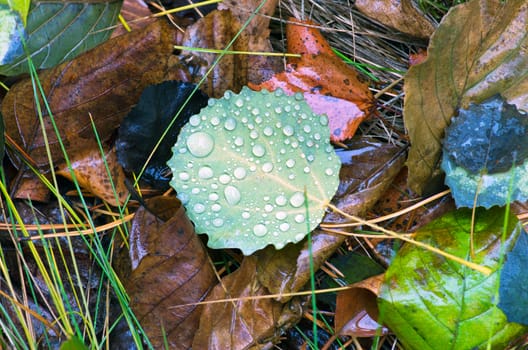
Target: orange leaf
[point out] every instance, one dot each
(320, 72)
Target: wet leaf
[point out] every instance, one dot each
(20, 6)
(430, 302)
(58, 31)
(170, 267)
(215, 31)
(400, 15)
(476, 52)
(143, 127)
(367, 171)
(92, 174)
(485, 151)
(243, 324)
(513, 291)
(319, 72)
(104, 82)
(238, 146)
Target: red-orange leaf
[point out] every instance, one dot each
(320, 72)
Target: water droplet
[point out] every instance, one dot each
(300, 138)
(329, 172)
(291, 176)
(199, 208)
(278, 92)
(299, 96)
(290, 163)
(224, 179)
(284, 227)
(200, 144)
(239, 173)
(218, 222)
(258, 119)
(281, 200)
(317, 136)
(323, 120)
(306, 170)
(214, 186)
(230, 124)
(239, 141)
(287, 130)
(216, 207)
(295, 144)
(194, 120)
(215, 121)
(309, 143)
(281, 215)
(307, 128)
(299, 218)
(239, 103)
(184, 197)
(184, 176)
(268, 208)
(267, 167)
(299, 236)
(255, 111)
(310, 158)
(287, 109)
(278, 110)
(205, 173)
(195, 190)
(279, 245)
(258, 150)
(297, 199)
(254, 134)
(260, 230)
(268, 131)
(232, 195)
(246, 215)
(213, 196)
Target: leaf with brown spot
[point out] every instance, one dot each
(398, 14)
(320, 72)
(104, 82)
(479, 50)
(170, 267)
(91, 173)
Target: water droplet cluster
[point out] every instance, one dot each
(242, 165)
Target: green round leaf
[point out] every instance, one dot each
(243, 166)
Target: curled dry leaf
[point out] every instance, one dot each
(322, 75)
(91, 173)
(170, 267)
(104, 82)
(398, 14)
(478, 50)
(243, 324)
(215, 31)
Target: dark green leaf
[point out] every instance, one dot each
(430, 302)
(145, 124)
(58, 31)
(513, 291)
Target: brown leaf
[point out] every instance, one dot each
(398, 14)
(136, 14)
(242, 324)
(215, 31)
(478, 50)
(357, 310)
(170, 267)
(91, 173)
(106, 82)
(320, 72)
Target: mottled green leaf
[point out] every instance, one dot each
(478, 50)
(430, 302)
(514, 282)
(58, 31)
(255, 169)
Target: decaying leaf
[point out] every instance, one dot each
(477, 51)
(243, 324)
(398, 14)
(91, 173)
(319, 72)
(431, 302)
(104, 82)
(170, 267)
(215, 31)
(136, 13)
(58, 31)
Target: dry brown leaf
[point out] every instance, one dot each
(170, 267)
(106, 82)
(398, 14)
(136, 13)
(215, 31)
(242, 324)
(91, 173)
